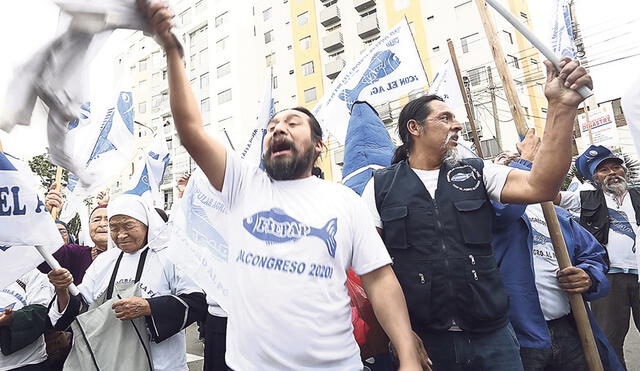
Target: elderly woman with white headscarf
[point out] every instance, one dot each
(166, 299)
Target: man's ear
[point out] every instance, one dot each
(414, 127)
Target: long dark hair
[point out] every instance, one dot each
(418, 109)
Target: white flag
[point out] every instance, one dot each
(562, 32)
(390, 68)
(150, 170)
(24, 221)
(197, 245)
(631, 108)
(445, 85)
(253, 149)
(96, 152)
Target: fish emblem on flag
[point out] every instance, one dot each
(85, 111)
(275, 226)
(125, 110)
(619, 222)
(382, 64)
(201, 231)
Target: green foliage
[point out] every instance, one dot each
(41, 166)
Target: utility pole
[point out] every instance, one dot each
(503, 70)
(465, 97)
(494, 107)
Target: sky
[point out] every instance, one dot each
(610, 32)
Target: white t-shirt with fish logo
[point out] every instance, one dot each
(290, 246)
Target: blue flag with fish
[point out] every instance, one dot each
(388, 70)
(150, 169)
(368, 146)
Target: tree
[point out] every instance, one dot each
(46, 170)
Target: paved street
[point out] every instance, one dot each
(195, 349)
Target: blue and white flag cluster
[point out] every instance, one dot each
(562, 33)
(150, 169)
(24, 221)
(387, 70)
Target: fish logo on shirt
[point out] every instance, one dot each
(275, 226)
(619, 222)
(382, 64)
(540, 239)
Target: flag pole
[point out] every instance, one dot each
(465, 98)
(576, 301)
(58, 180)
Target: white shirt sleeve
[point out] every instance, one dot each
(369, 197)
(570, 201)
(369, 252)
(495, 176)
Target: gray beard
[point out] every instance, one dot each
(451, 155)
(616, 189)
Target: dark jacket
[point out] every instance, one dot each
(441, 248)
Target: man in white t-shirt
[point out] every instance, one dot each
(292, 238)
(434, 213)
(612, 214)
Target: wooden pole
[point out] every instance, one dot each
(559, 246)
(494, 108)
(465, 97)
(55, 210)
(503, 70)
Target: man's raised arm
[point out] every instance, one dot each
(554, 157)
(208, 153)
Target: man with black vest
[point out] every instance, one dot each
(434, 213)
(611, 213)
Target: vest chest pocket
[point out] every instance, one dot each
(589, 211)
(472, 215)
(394, 223)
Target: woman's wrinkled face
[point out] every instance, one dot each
(129, 234)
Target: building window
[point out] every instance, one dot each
(142, 65)
(534, 64)
(194, 83)
(223, 69)
(224, 96)
(476, 76)
(430, 18)
(204, 58)
(544, 110)
(274, 82)
(305, 43)
(221, 44)
(307, 68)
(156, 59)
(513, 61)
(221, 19)
(508, 38)
(436, 48)
(268, 36)
(185, 17)
(266, 14)
(465, 41)
(368, 12)
(310, 95)
(204, 105)
(142, 107)
(204, 81)
(201, 6)
(525, 18)
(303, 18)
(155, 103)
(270, 59)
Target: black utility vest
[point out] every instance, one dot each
(594, 214)
(441, 248)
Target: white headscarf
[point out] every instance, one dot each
(135, 207)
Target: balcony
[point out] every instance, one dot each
(362, 5)
(333, 68)
(330, 15)
(333, 41)
(368, 26)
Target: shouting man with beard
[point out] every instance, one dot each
(611, 213)
(292, 237)
(433, 211)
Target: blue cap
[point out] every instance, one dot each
(588, 161)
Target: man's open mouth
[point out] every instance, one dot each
(280, 147)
